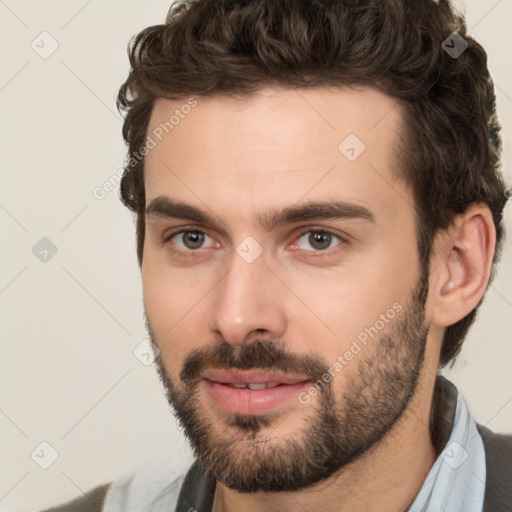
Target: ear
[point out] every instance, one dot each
(462, 260)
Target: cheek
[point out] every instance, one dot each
(174, 305)
(170, 294)
(351, 303)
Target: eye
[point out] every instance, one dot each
(318, 240)
(190, 240)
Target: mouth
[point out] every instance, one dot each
(251, 392)
(252, 386)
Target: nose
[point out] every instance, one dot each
(248, 304)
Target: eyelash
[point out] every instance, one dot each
(315, 254)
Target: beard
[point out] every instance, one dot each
(239, 451)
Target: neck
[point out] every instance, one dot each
(386, 478)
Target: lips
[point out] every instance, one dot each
(251, 391)
(246, 377)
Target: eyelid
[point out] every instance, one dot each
(169, 233)
(342, 236)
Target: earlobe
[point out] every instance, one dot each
(464, 262)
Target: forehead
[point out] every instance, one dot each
(277, 146)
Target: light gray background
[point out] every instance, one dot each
(68, 373)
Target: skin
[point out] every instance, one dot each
(238, 159)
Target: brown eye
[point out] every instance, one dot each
(318, 241)
(190, 239)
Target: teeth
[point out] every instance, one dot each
(257, 386)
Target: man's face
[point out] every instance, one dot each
(297, 264)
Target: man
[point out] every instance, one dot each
(319, 203)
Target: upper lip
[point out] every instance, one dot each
(250, 377)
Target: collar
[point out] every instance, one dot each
(456, 481)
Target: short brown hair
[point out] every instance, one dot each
(451, 147)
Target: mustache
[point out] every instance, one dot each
(265, 355)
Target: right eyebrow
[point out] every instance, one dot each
(165, 207)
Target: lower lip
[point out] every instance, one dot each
(248, 401)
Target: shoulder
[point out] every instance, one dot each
(152, 487)
(498, 461)
(92, 501)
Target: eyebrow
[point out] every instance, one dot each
(163, 206)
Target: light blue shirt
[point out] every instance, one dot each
(456, 481)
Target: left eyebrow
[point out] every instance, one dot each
(316, 211)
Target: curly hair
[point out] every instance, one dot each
(450, 147)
